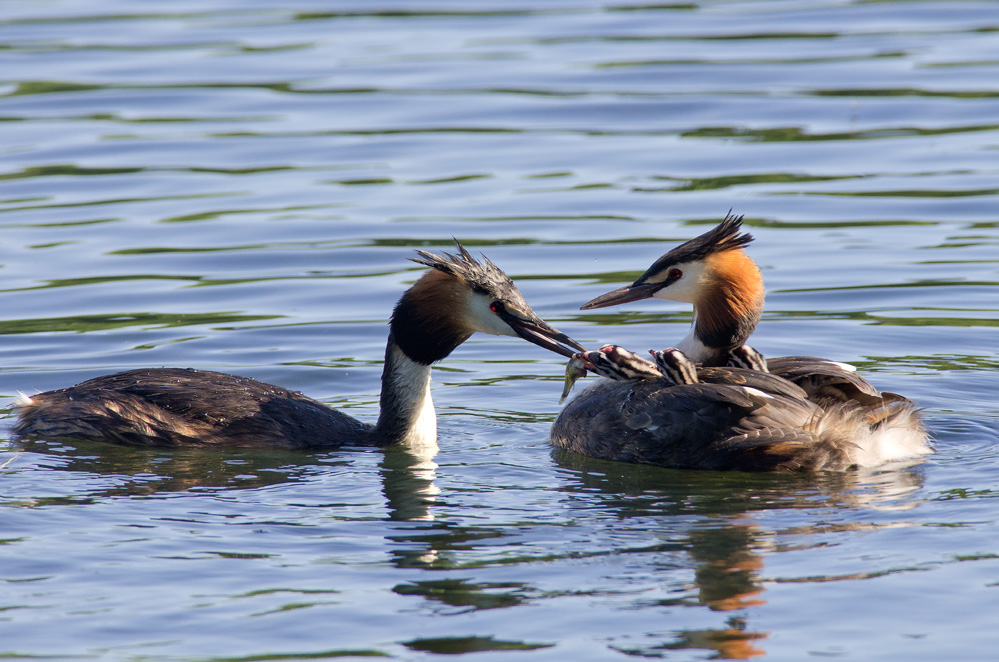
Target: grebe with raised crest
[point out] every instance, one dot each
(172, 407)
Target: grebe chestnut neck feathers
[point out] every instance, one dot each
(171, 407)
(717, 403)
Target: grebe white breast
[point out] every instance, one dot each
(172, 407)
(742, 412)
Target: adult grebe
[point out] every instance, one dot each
(182, 407)
(805, 414)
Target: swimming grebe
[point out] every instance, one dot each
(804, 414)
(183, 407)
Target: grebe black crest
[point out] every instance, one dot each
(172, 407)
(717, 403)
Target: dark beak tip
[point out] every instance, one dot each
(564, 345)
(601, 301)
(621, 295)
(564, 339)
(548, 337)
(604, 301)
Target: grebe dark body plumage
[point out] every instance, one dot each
(171, 407)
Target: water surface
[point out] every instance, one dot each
(238, 186)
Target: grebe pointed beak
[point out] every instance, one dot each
(542, 334)
(634, 292)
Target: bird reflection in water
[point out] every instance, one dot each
(710, 520)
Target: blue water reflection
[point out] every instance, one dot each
(239, 186)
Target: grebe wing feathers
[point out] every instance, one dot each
(763, 381)
(718, 427)
(707, 426)
(823, 379)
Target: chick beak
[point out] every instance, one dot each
(634, 292)
(542, 334)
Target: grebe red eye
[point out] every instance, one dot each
(495, 305)
(675, 274)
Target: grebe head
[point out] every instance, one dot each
(459, 296)
(674, 365)
(713, 273)
(746, 357)
(618, 364)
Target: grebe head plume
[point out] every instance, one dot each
(459, 296)
(683, 273)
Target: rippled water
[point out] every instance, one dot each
(238, 186)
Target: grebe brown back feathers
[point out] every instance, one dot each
(674, 419)
(742, 412)
(182, 407)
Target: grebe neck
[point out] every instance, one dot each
(727, 309)
(421, 332)
(694, 349)
(407, 410)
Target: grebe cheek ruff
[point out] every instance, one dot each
(814, 414)
(172, 407)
